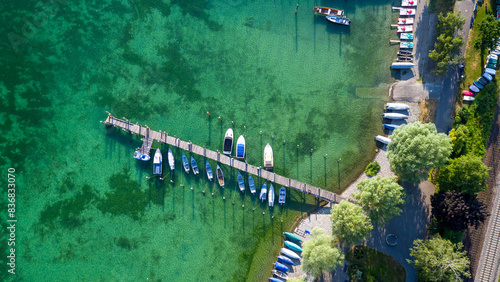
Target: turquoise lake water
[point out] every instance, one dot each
(87, 210)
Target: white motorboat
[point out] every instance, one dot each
(228, 142)
(268, 157)
(171, 161)
(158, 163)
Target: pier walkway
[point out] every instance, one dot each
(163, 137)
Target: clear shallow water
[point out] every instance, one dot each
(88, 210)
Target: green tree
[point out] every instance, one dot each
(350, 223)
(380, 197)
(446, 51)
(439, 259)
(415, 149)
(319, 253)
(459, 140)
(467, 174)
(489, 32)
(457, 211)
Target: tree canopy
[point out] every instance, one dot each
(457, 211)
(415, 149)
(439, 259)
(350, 223)
(467, 174)
(447, 47)
(489, 32)
(380, 197)
(319, 253)
(459, 140)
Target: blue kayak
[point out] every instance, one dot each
(478, 84)
(391, 126)
(285, 260)
(487, 76)
(293, 246)
(280, 267)
(272, 279)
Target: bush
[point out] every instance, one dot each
(372, 168)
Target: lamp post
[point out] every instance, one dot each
(338, 169)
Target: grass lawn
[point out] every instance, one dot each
(441, 6)
(375, 265)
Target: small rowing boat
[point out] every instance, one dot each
(397, 106)
(404, 59)
(403, 21)
(292, 236)
(282, 196)
(289, 253)
(293, 246)
(240, 148)
(171, 161)
(208, 168)
(280, 266)
(406, 36)
(468, 98)
(157, 163)
(325, 11)
(220, 176)
(280, 274)
(487, 76)
(391, 126)
(285, 260)
(394, 116)
(383, 139)
(251, 184)
(474, 89)
(268, 157)
(405, 53)
(467, 93)
(194, 166)
(405, 28)
(241, 182)
(228, 142)
(339, 20)
(185, 163)
(263, 192)
(489, 71)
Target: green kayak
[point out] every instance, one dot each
(292, 236)
(293, 246)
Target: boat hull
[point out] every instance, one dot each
(263, 192)
(282, 196)
(271, 196)
(220, 176)
(251, 184)
(285, 260)
(339, 20)
(228, 142)
(281, 267)
(325, 11)
(383, 139)
(194, 166)
(185, 163)
(397, 106)
(208, 168)
(240, 148)
(293, 246)
(405, 21)
(404, 28)
(289, 253)
(268, 157)
(241, 182)
(171, 161)
(394, 116)
(292, 236)
(391, 126)
(158, 163)
(402, 65)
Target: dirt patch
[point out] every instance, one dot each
(428, 109)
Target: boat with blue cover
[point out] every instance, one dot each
(208, 168)
(292, 236)
(289, 253)
(474, 89)
(280, 266)
(282, 196)
(251, 184)
(478, 85)
(171, 161)
(285, 260)
(391, 126)
(263, 192)
(194, 166)
(274, 279)
(240, 148)
(241, 182)
(482, 80)
(293, 246)
(185, 163)
(487, 76)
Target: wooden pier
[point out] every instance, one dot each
(163, 137)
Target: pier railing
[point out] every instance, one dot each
(163, 137)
